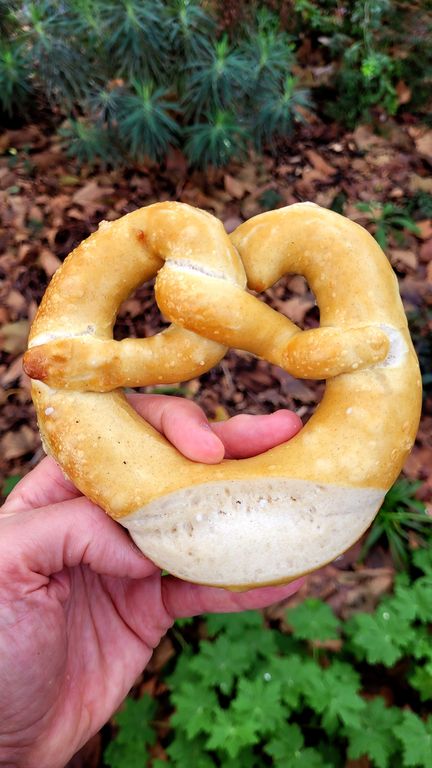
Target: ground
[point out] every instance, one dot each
(48, 205)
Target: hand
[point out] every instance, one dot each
(81, 609)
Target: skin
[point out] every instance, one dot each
(81, 609)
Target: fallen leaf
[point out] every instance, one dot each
(67, 180)
(424, 144)
(425, 229)
(420, 183)
(365, 138)
(400, 258)
(18, 443)
(250, 207)
(13, 373)
(319, 163)
(295, 308)
(176, 163)
(15, 301)
(45, 160)
(161, 655)
(403, 92)
(234, 187)
(13, 337)
(232, 223)
(91, 193)
(295, 388)
(220, 413)
(48, 261)
(425, 252)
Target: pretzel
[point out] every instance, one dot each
(249, 522)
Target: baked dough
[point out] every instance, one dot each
(248, 522)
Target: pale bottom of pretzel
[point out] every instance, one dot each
(242, 534)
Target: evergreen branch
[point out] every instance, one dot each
(219, 77)
(145, 123)
(134, 37)
(216, 141)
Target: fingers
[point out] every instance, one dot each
(184, 599)
(183, 423)
(44, 485)
(247, 435)
(44, 541)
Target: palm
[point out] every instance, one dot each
(81, 611)
(91, 650)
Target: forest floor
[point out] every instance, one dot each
(48, 205)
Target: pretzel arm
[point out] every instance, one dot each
(101, 365)
(240, 320)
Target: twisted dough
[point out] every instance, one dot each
(254, 521)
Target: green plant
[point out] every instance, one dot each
(217, 140)
(93, 60)
(249, 694)
(400, 516)
(133, 37)
(371, 47)
(10, 483)
(88, 143)
(420, 205)
(130, 79)
(14, 86)
(216, 78)
(146, 126)
(388, 219)
(135, 734)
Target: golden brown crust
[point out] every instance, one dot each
(361, 432)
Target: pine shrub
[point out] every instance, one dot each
(128, 79)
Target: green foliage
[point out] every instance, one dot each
(249, 693)
(144, 76)
(130, 747)
(217, 140)
(14, 85)
(133, 36)
(146, 126)
(86, 142)
(372, 46)
(400, 515)
(10, 483)
(388, 220)
(420, 205)
(313, 620)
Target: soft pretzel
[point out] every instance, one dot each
(253, 521)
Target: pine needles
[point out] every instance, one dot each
(130, 78)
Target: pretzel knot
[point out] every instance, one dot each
(315, 494)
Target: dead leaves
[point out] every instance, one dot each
(423, 142)
(91, 195)
(18, 443)
(13, 336)
(48, 206)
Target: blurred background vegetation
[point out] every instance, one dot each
(125, 79)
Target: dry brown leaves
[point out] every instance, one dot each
(48, 205)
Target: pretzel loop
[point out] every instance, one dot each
(211, 310)
(71, 345)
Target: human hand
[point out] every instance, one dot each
(81, 609)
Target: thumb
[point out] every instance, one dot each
(69, 534)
